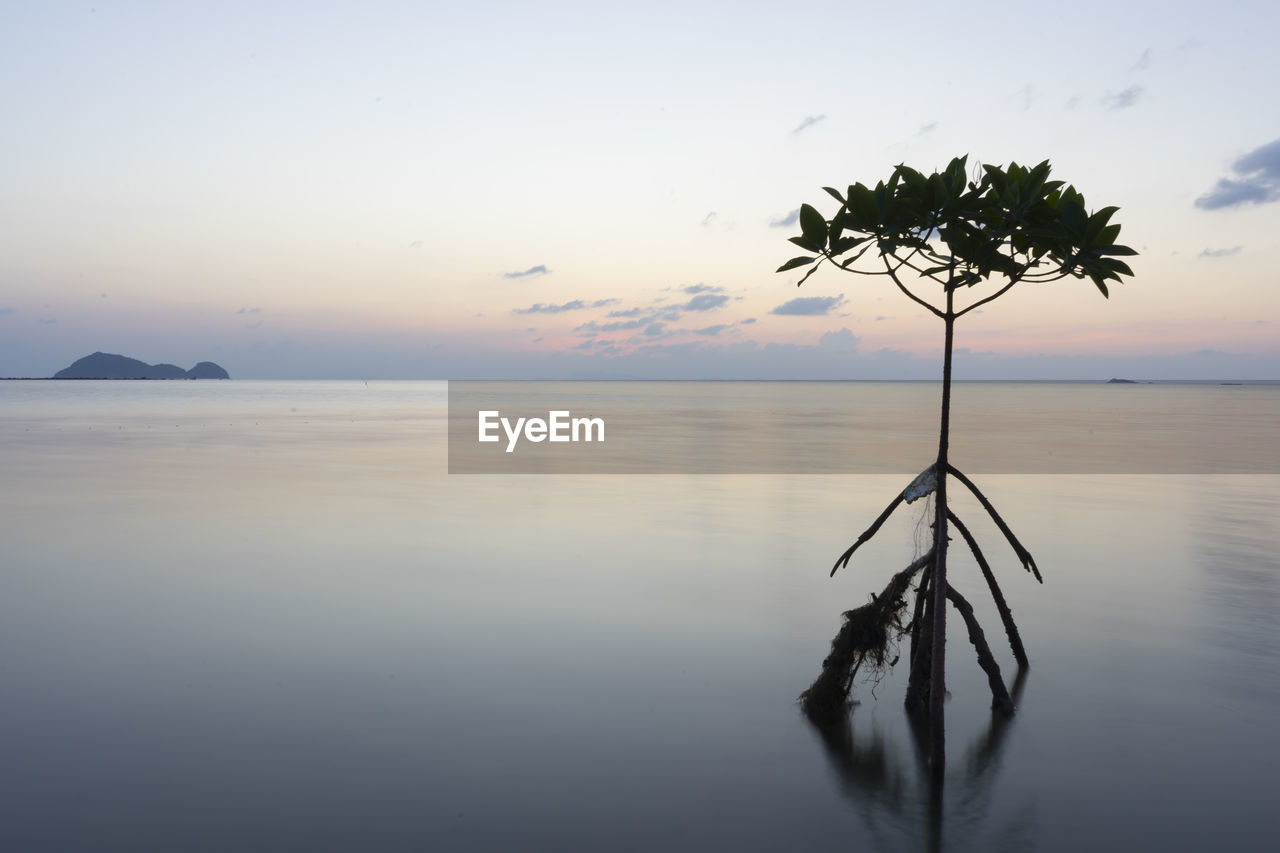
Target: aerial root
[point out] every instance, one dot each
(914, 490)
(1028, 562)
(1000, 700)
(867, 534)
(1006, 615)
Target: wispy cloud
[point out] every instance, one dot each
(6, 311)
(575, 305)
(926, 129)
(1256, 180)
(540, 269)
(808, 122)
(592, 327)
(1230, 193)
(650, 313)
(810, 306)
(709, 218)
(416, 244)
(249, 311)
(1220, 253)
(786, 221)
(1124, 99)
(705, 302)
(1144, 61)
(1026, 97)
(651, 322)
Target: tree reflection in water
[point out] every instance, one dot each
(898, 795)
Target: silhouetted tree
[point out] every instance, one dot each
(1007, 226)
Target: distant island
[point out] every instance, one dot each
(104, 365)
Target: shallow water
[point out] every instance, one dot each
(253, 615)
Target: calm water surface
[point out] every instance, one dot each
(261, 616)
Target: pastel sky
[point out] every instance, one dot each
(461, 190)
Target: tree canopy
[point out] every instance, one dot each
(1013, 223)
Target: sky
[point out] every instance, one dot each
(596, 190)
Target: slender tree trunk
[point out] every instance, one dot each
(937, 676)
(917, 698)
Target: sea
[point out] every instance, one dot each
(277, 616)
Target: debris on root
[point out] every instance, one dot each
(867, 641)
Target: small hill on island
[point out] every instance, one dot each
(104, 365)
(207, 370)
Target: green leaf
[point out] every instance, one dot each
(937, 191)
(837, 227)
(862, 205)
(1115, 266)
(848, 262)
(913, 179)
(813, 225)
(1115, 250)
(844, 244)
(834, 194)
(1073, 217)
(1099, 221)
(801, 261)
(807, 244)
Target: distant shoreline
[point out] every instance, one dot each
(1226, 381)
(109, 379)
